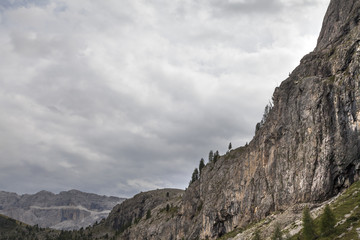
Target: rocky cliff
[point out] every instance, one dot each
(306, 150)
(309, 146)
(152, 214)
(66, 210)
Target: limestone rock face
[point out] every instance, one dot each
(340, 17)
(66, 210)
(309, 146)
(306, 150)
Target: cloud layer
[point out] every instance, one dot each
(117, 97)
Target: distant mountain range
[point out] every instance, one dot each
(67, 210)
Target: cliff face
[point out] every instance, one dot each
(66, 210)
(307, 150)
(340, 18)
(309, 146)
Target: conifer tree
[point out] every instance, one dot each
(211, 156)
(256, 235)
(277, 235)
(148, 214)
(216, 156)
(201, 165)
(195, 175)
(327, 221)
(230, 146)
(308, 225)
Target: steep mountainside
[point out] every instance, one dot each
(306, 150)
(66, 210)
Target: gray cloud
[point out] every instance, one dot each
(10, 4)
(118, 97)
(257, 7)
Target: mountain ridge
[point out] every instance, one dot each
(71, 209)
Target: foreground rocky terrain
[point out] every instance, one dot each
(66, 210)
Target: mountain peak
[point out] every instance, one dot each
(340, 18)
(44, 192)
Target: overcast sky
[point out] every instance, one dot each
(121, 96)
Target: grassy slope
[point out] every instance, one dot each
(7, 224)
(347, 212)
(346, 208)
(11, 229)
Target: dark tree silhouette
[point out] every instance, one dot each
(216, 156)
(327, 221)
(201, 165)
(277, 235)
(148, 214)
(308, 225)
(256, 235)
(195, 175)
(211, 156)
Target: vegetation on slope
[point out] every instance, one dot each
(344, 224)
(11, 229)
(346, 210)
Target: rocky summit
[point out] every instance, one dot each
(67, 210)
(305, 150)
